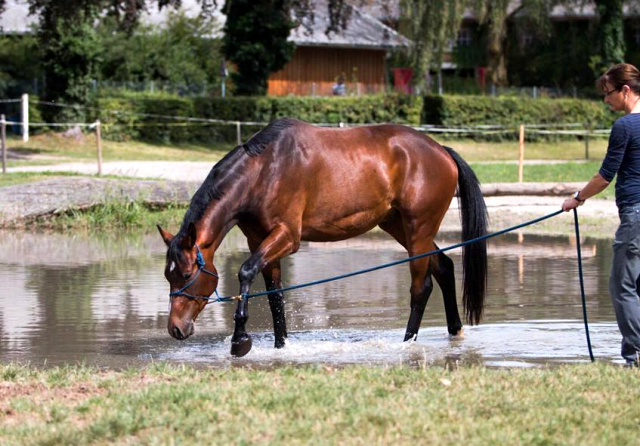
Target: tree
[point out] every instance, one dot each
(256, 41)
(67, 37)
(610, 44)
(495, 17)
(179, 52)
(430, 24)
(258, 44)
(70, 51)
(256, 35)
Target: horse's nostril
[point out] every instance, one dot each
(176, 333)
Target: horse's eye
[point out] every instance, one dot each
(186, 276)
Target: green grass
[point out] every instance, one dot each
(510, 150)
(563, 172)
(114, 215)
(552, 173)
(169, 405)
(55, 148)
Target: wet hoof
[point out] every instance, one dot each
(459, 334)
(410, 337)
(241, 346)
(280, 343)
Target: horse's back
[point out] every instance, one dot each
(341, 182)
(395, 157)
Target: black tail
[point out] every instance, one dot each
(473, 212)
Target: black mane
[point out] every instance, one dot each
(258, 142)
(229, 169)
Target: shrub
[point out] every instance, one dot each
(512, 111)
(145, 116)
(460, 111)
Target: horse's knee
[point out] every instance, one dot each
(248, 270)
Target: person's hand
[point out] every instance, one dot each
(571, 203)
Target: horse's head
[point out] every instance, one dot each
(191, 281)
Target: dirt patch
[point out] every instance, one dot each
(43, 397)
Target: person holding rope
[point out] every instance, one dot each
(621, 88)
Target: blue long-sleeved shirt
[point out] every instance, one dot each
(623, 159)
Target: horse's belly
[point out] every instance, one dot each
(320, 228)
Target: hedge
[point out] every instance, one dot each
(143, 114)
(483, 110)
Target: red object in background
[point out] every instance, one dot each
(402, 79)
(481, 75)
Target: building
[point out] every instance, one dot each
(356, 54)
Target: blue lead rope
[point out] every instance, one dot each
(426, 254)
(584, 298)
(390, 264)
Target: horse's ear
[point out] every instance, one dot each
(189, 240)
(166, 236)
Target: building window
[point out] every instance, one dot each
(465, 37)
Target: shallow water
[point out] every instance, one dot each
(102, 300)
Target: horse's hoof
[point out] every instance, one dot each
(241, 346)
(281, 343)
(457, 334)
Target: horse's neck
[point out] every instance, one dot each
(218, 220)
(221, 214)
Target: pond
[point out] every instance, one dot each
(102, 300)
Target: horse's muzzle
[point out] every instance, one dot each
(181, 333)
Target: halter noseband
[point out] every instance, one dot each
(201, 268)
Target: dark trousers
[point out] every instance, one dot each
(624, 280)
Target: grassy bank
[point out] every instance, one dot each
(114, 216)
(170, 405)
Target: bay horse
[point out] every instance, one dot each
(293, 181)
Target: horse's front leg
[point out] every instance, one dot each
(279, 243)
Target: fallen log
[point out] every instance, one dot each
(536, 189)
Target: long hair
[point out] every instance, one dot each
(474, 224)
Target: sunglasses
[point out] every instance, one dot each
(607, 93)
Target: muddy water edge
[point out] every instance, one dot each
(101, 299)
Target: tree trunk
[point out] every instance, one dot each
(610, 35)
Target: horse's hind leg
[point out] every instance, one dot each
(272, 281)
(421, 288)
(443, 272)
(421, 282)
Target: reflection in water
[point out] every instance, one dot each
(102, 300)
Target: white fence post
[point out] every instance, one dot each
(25, 117)
(521, 158)
(3, 132)
(99, 146)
